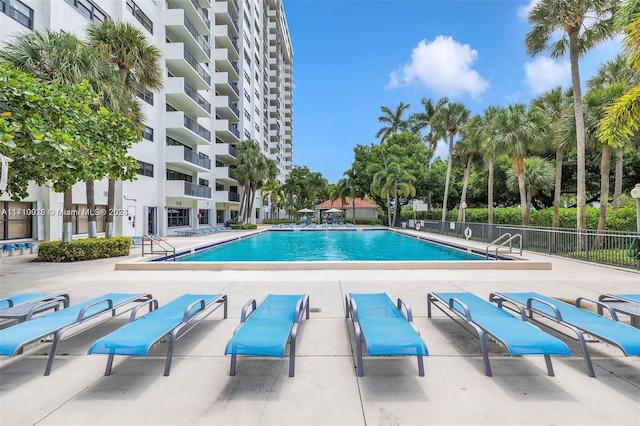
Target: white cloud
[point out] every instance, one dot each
(543, 74)
(443, 66)
(523, 11)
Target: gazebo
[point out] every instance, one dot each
(364, 209)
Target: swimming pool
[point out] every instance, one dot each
(333, 245)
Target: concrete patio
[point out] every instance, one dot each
(325, 390)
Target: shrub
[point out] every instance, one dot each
(243, 226)
(85, 249)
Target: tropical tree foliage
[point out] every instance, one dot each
(393, 121)
(253, 170)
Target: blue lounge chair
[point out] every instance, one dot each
(387, 329)
(265, 330)
(23, 306)
(627, 304)
(578, 320)
(516, 334)
(175, 319)
(89, 314)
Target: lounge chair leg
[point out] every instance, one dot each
(107, 371)
(547, 360)
(485, 354)
(420, 366)
(54, 348)
(585, 354)
(232, 371)
(292, 358)
(359, 366)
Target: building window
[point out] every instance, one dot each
(88, 9)
(203, 217)
(173, 175)
(145, 169)
(247, 115)
(15, 220)
(145, 95)
(246, 96)
(177, 217)
(246, 77)
(247, 135)
(80, 219)
(147, 133)
(18, 11)
(140, 15)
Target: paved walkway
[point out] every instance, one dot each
(326, 390)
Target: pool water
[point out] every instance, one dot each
(313, 246)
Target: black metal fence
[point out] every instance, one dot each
(620, 249)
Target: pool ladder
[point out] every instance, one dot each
(503, 240)
(162, 244)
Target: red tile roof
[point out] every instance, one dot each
(337, 204)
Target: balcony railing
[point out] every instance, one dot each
(232, 151)
(197, 97)
(234, 109)
(234, 196)
(234, 86)
(202, 13)
(197, 158)
(196, 66)
(196, 128)
(198, 38)
(234, 130)
(193, 190)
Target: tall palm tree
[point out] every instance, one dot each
(584, 24)
(489, 152)
(538, 177)
(468, 148)
(62, 57)
(422, 120)
(554, 103)
(393, 120)
(248, 160)
(138, 64)
(517, 129)
(391, 180)
(447, 122)
(616, 71)
(346, 187)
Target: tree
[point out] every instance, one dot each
(61, 57)
(516, 130)
(346, 187)
(584, 24)
(448, 121)
(554, 103)
(489, 152)
(247, 171)
(469, 147)
(422, 120)
(138, 64)
(538, 178)
(393, 120)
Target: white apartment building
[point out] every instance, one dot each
(228, 77)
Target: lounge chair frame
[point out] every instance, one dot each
(351, 309)
(87, 320)
(480, 331)
(530, 306)
(301, 309)
(24, 311)
(190, 319)
(623, 303)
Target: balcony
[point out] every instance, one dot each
(226, 197)
(180, 29)
(185, 98)
(192, 160)
(182, 63)
(225, 174)
(225, 108)
(225, 152)
(225, 62)
(181, 189)
(226, 15)
(226, 130)
(197, 15)
(182, 127)
(224, 38)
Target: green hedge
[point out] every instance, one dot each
(623, 219)
(85, 249)
(243, 226)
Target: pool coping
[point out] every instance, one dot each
(504, 262)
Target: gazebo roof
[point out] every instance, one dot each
(337, 204)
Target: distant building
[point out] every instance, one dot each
(364, 209)
(228, 77)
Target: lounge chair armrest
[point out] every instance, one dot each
(301, 307)
(187, 310)
(354, 311)
(38, 306)
(466, 315)
(84, 309)
(407, 310)
(153, 305)
(556, 311)
(599, 304)
(244, 315)
(8, 300)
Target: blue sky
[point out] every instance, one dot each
(353, 56)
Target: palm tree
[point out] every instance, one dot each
(616, 71)
(467, 149)
(584, 24)
(247, 171)
(421, 120)
(517, 129)
(138, 64)
(393, 119)
(554, 103)
(62, 57)
(538, 177)
(448, 121)
(346, 188)
(489, 152)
